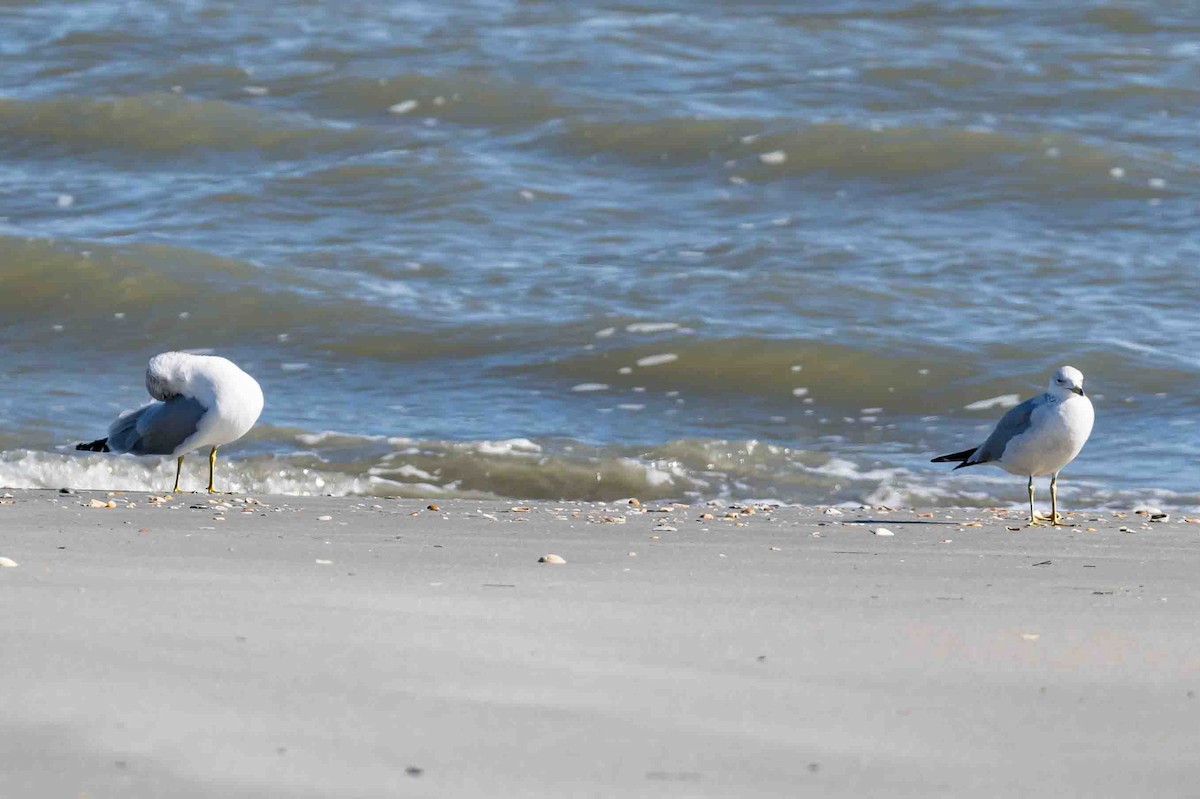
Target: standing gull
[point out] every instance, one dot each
(202, 401)
(1038, 437)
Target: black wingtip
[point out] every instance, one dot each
(99, 445)
(956, 457)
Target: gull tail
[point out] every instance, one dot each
(957, 457)
(99, 445)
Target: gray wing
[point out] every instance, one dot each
(156, 429)
(1011, 425)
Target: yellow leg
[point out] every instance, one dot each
(1055, 519)
(178, 469)
(1034, 519)
(212, 469)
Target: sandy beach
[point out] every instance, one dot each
(353, 647)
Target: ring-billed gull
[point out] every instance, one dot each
(1038, 437)
(201, 401)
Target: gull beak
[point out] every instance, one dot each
(1078, 390)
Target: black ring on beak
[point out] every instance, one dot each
(1078, 390)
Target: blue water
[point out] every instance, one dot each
(420, 223)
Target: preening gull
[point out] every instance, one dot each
(200, 401)
(1038, 437)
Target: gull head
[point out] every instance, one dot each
(168, 373)
(1066, 381)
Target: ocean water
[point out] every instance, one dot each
(601, 249)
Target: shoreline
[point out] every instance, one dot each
(353, 466)
(316, 646)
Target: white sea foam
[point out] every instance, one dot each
(657, 360)
(1002, 401)
(651, 327)
(29, 469)
(408, 470)
(512, 446)
(328, 436)
(403, 107)
(654, 476)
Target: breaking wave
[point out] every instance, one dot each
(687, 470)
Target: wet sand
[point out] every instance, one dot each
(260, 650)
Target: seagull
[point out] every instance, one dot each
(1038, 437)
(201, 401)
